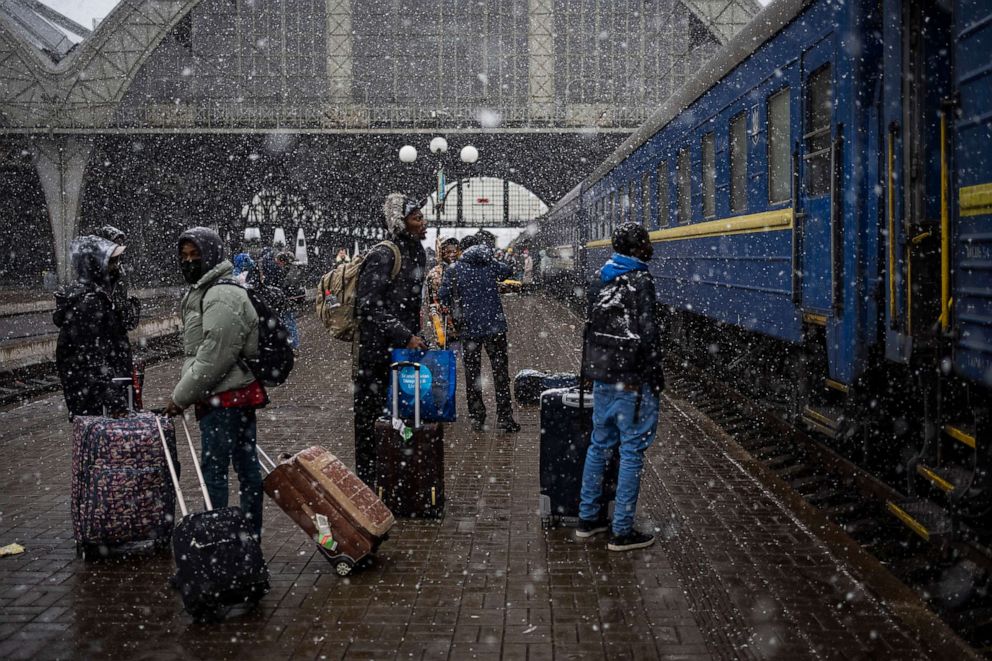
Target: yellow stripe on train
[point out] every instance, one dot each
(767, 221)
(976, 200)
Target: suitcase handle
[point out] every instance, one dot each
(262, 455)
(396, 367)
(576, 400)
(172, 468)
(196, 465)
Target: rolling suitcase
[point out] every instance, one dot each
(564, 441)
(334, 508)
(410, 460)
(121, 493)
(529, 384)
(219, 562)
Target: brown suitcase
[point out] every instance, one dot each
(338, 511)
(410, 471)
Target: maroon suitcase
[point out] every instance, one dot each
(334, 508)
(410, 460)
(121, 489)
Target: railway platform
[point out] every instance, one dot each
(738, 572)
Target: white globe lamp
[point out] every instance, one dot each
(469, 154)
(408, 153)
(439, 145)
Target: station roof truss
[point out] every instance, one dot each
(58, 76)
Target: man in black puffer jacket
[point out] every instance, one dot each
(623, 357)
(388, 309)
(93, 347)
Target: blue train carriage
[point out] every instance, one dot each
(971, 291)
(561, 237)
(947, 288)
(755, 183)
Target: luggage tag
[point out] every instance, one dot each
(324, 536)
(406, 433)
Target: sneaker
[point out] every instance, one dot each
(630, 541)
(509, 426)
(478, 425)
(588, 529)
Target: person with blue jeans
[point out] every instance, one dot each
(220, 328)
(622, 355)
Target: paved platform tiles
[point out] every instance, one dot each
(733, 576)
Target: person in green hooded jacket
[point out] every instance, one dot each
(220, 330)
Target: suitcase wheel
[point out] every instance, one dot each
(207, 614)
(88, 552)
(343, 567)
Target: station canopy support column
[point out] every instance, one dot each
(61, 164)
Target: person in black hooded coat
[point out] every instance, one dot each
(93, 347)
(128, 307)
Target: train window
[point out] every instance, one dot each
(609, 211)
(663, 194)
(683, 181)
(817, 137)
(631, 196)
(738, 163)
(779, 162)
(645, 199)
(601, 221)
(709, 176)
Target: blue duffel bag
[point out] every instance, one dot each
(437, 384)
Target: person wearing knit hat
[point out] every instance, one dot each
(388, 309)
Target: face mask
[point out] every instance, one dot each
(192, 270)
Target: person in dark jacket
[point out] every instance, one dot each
(128, 307)
(276, 292)
(473, 280)
(388, 311)
(93, 347)
(622, 355)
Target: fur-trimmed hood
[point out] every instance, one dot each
(396, 208)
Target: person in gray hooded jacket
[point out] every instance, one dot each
(220, 329)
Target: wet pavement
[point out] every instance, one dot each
(734, 575)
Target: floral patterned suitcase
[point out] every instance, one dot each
(121, 489)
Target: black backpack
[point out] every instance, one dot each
(275, 359)
(613, 319)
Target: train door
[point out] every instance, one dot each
(926, 86)
(815, 179)
(917, 86)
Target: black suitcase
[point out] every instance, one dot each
(410, 460)
(219, 563)
(563, 457)
(529, 384)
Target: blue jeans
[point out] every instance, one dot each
(613, 422)
(228, 437)
(289, 318)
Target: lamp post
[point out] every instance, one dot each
(439, 147)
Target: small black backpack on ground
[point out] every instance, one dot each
(275, 358)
